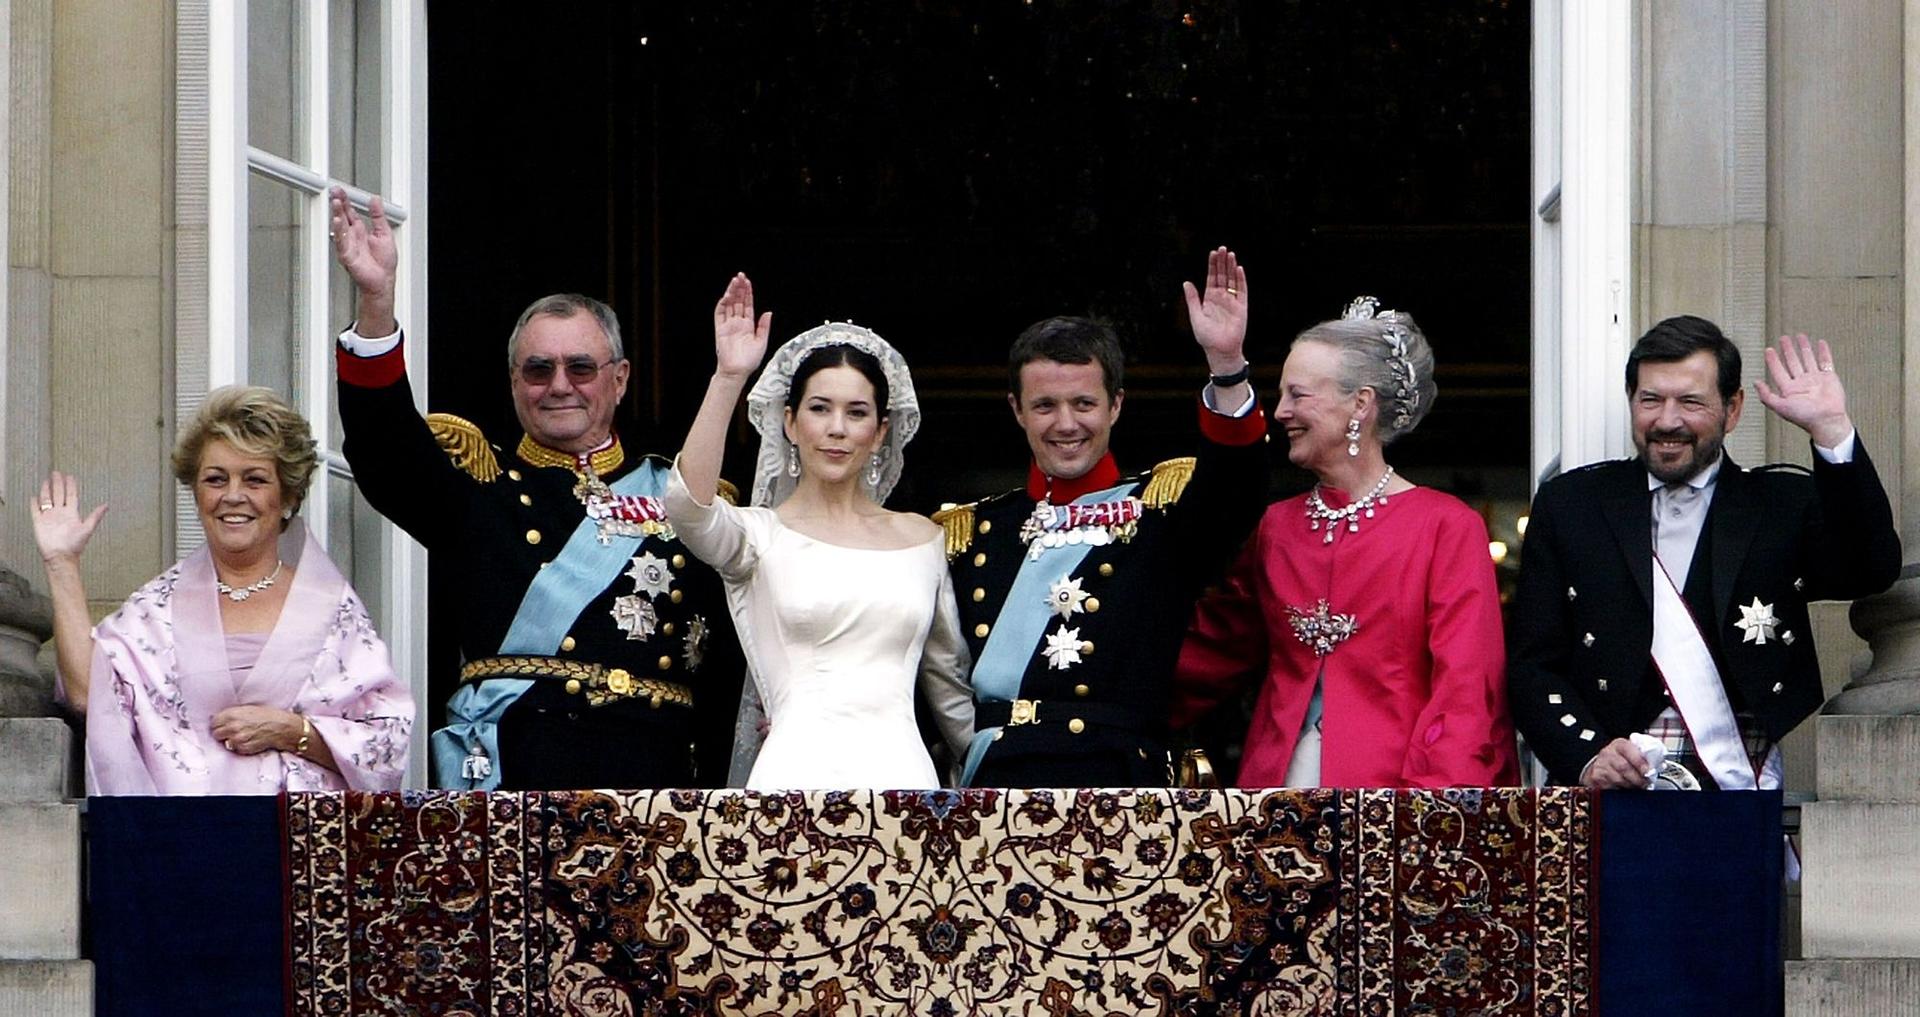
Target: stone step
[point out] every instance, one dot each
(46, 988)
(40, 898)
(1873, 759)
(1861, 886)
(1853, 988)
(36, 759)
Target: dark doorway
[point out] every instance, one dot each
(948, 172)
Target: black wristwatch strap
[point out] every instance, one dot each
(1230, 380)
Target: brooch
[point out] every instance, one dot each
(1756, 622)
(1320, 628)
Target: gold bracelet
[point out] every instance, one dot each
(306, 734)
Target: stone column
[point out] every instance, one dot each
(1862, 836)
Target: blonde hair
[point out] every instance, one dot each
(256, 422)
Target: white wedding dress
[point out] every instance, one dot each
(836, 639)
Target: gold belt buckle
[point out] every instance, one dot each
(619, 682)
(1025, 711)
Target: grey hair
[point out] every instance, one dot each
(566, 305)
(1368, 360)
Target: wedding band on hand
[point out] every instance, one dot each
(1232, 292)
(1826, 367)
(46, 506)
(229, 744)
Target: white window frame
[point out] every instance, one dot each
(231, 163)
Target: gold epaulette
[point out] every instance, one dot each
(957, 520)
(1168, 481)
(728, 492)
(465, 445)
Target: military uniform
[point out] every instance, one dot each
(1579, 669)
(641, 691)
(1092, 689)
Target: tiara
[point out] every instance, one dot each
(1394, 333)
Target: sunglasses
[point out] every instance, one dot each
(580, 370)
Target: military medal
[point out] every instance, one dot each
(696, 648)
(1063, 648)
(1066, 598)
(635, 616)
(1756, 622)
(650, 574)
(620, 515)
(1095, 524)
(1320, 628)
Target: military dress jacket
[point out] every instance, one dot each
(492, 516)
(1095, 712)
(1581, 627)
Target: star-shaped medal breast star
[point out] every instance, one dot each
(1066, 598)
(650, 574)
(1063, 648)
(1756, 622)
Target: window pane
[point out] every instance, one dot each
(276, 77)
(354, 544)
(274, 290)
(354, 87)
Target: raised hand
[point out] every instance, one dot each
(365, 248)
(1219, 313)
(739, 341)
(58, 527)
(1805, 391)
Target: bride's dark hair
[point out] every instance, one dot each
(839, 355)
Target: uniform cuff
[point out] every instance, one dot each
(1221, 429)
(362, 362)
(1840, 454)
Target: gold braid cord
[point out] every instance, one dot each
(729, 492)
(465, 445)
(957, 520)
(1169, 480)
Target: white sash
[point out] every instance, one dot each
(1685, 664)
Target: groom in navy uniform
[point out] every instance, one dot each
(1075, 590)
(1603, 653)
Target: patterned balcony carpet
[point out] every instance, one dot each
(976, 902)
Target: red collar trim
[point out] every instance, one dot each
(1105, 474)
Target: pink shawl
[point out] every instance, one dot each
(160, 673)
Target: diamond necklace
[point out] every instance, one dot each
(1318, 512)
(240, 593)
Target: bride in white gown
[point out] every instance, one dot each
(841, 605)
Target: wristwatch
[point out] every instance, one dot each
(1230, 380)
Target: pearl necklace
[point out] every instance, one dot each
(240, 593)
(1318, 512)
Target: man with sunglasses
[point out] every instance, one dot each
(597, 652)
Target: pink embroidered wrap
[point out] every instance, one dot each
(160, 673)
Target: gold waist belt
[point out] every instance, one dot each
(601, 685)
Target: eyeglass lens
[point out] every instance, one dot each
(580, 370)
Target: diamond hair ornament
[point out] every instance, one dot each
(1395, 335)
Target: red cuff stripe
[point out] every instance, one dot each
(371, 372)
(1224, 430)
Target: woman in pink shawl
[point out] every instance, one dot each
(250, 667)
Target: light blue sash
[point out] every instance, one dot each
(553, 601)
(1023, 620)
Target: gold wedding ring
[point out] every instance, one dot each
(1232, 292)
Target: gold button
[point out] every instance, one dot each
(666, 628)
(979, 559)
(675, 596)
(567, 643)
(1081, 690)
(1106, 568)
(985, 525)
(573, 686)
(533, 536)
(619, 681)
(525, 500)
(1086, 648)
(666, 662)
(979, 594)
(1076, 725)
(544, 564)
(513, 474)
(1092, 604)
(980, 631)
(655, 701)
(679, 561)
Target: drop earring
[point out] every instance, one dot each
(793, 460)
(1353, 436)
(873, 471)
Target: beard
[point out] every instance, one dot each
(1705, 450)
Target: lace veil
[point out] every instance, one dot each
(767, 404)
